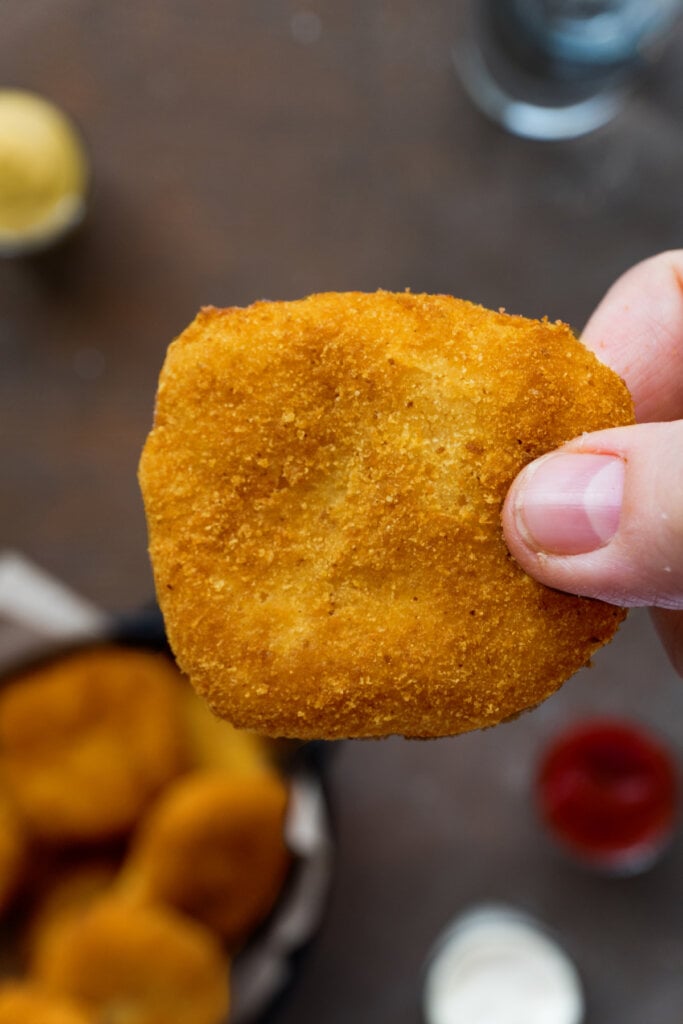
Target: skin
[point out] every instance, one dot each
(637, 330)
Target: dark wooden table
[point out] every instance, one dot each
(271, 148)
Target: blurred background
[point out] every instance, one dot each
(269, 149)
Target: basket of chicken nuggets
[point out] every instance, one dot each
(157, 865)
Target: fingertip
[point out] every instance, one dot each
(567, 503)
(600, 517)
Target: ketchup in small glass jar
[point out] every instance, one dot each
(608, 793)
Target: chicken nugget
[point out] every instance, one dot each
(141, 965)
(213, 846)
(87, 740)
(323, 486)
(26, 1003)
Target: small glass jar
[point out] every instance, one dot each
(607, 792)
(44, 173)
(556, 69)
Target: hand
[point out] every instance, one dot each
(603, 515)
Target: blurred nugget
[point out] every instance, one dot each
(141, 965)
(213, 847)
(87, 740)
(323, 486)
(24, 1003)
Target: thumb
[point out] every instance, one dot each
(603, 516)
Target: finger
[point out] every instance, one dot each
(603, 516)
(669, 626)
(638, 330)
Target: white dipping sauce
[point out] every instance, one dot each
(496, 966)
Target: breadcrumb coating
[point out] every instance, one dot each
(87, 740)
(138, 965)
(323, 486)
(213, 847)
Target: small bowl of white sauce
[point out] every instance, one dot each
(497, 965)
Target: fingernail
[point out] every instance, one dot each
(568, 504)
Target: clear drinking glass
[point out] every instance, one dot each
(556, 69)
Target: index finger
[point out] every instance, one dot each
(638, 330)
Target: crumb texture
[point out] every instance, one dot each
(323, 486)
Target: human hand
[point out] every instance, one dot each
(603, 516)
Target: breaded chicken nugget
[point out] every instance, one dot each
(213, 847)
(323, 487)
(87, 740)
(141, 965)
(25, 1003)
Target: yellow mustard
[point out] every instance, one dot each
(43, 171)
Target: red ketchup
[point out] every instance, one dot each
(608, 793)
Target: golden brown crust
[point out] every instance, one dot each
(213, 847)
(24, 1003)
(323, 487)
(87, 740)
(147, 965)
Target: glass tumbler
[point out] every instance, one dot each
(557, 69)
